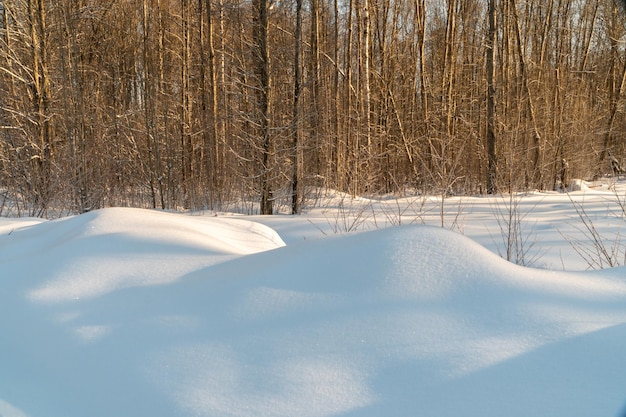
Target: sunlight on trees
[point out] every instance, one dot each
(179, 104)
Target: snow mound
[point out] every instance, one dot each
(404, 321)
(97, 252)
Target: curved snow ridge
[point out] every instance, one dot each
(411, 262)
(394, 312)
(123, 247)
(417, 268)
(461, 264)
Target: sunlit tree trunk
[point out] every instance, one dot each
(367, 92)
(73, 95)
(491, 117)
(339, 143)
(187, 156)
(147, 99)
(262, 58)
(351, 137)
(535, 145)
(210, 163)
(297, 81)
(316, 132)
(40, 90)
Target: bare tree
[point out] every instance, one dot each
(181, 103)
(297, 89)
(491, 117)
(262, 58)
(40, 90)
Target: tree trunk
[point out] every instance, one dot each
(535, 142)
(367, 93)
(339, 148)
(491, 118)
(263, 73)
(210, 131)
(297, 70)
(187, 159)
(41, 101)
(316, 131)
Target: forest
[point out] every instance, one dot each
(199, 104)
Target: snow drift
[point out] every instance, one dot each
(138, 313)
(98, 252)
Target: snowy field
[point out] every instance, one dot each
(356, 308)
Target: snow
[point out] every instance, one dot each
(356, 308)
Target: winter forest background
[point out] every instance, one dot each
(200, 104)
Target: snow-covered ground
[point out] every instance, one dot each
(356, 308)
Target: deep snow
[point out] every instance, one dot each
(128, 312)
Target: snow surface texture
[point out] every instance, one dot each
(127, 312)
